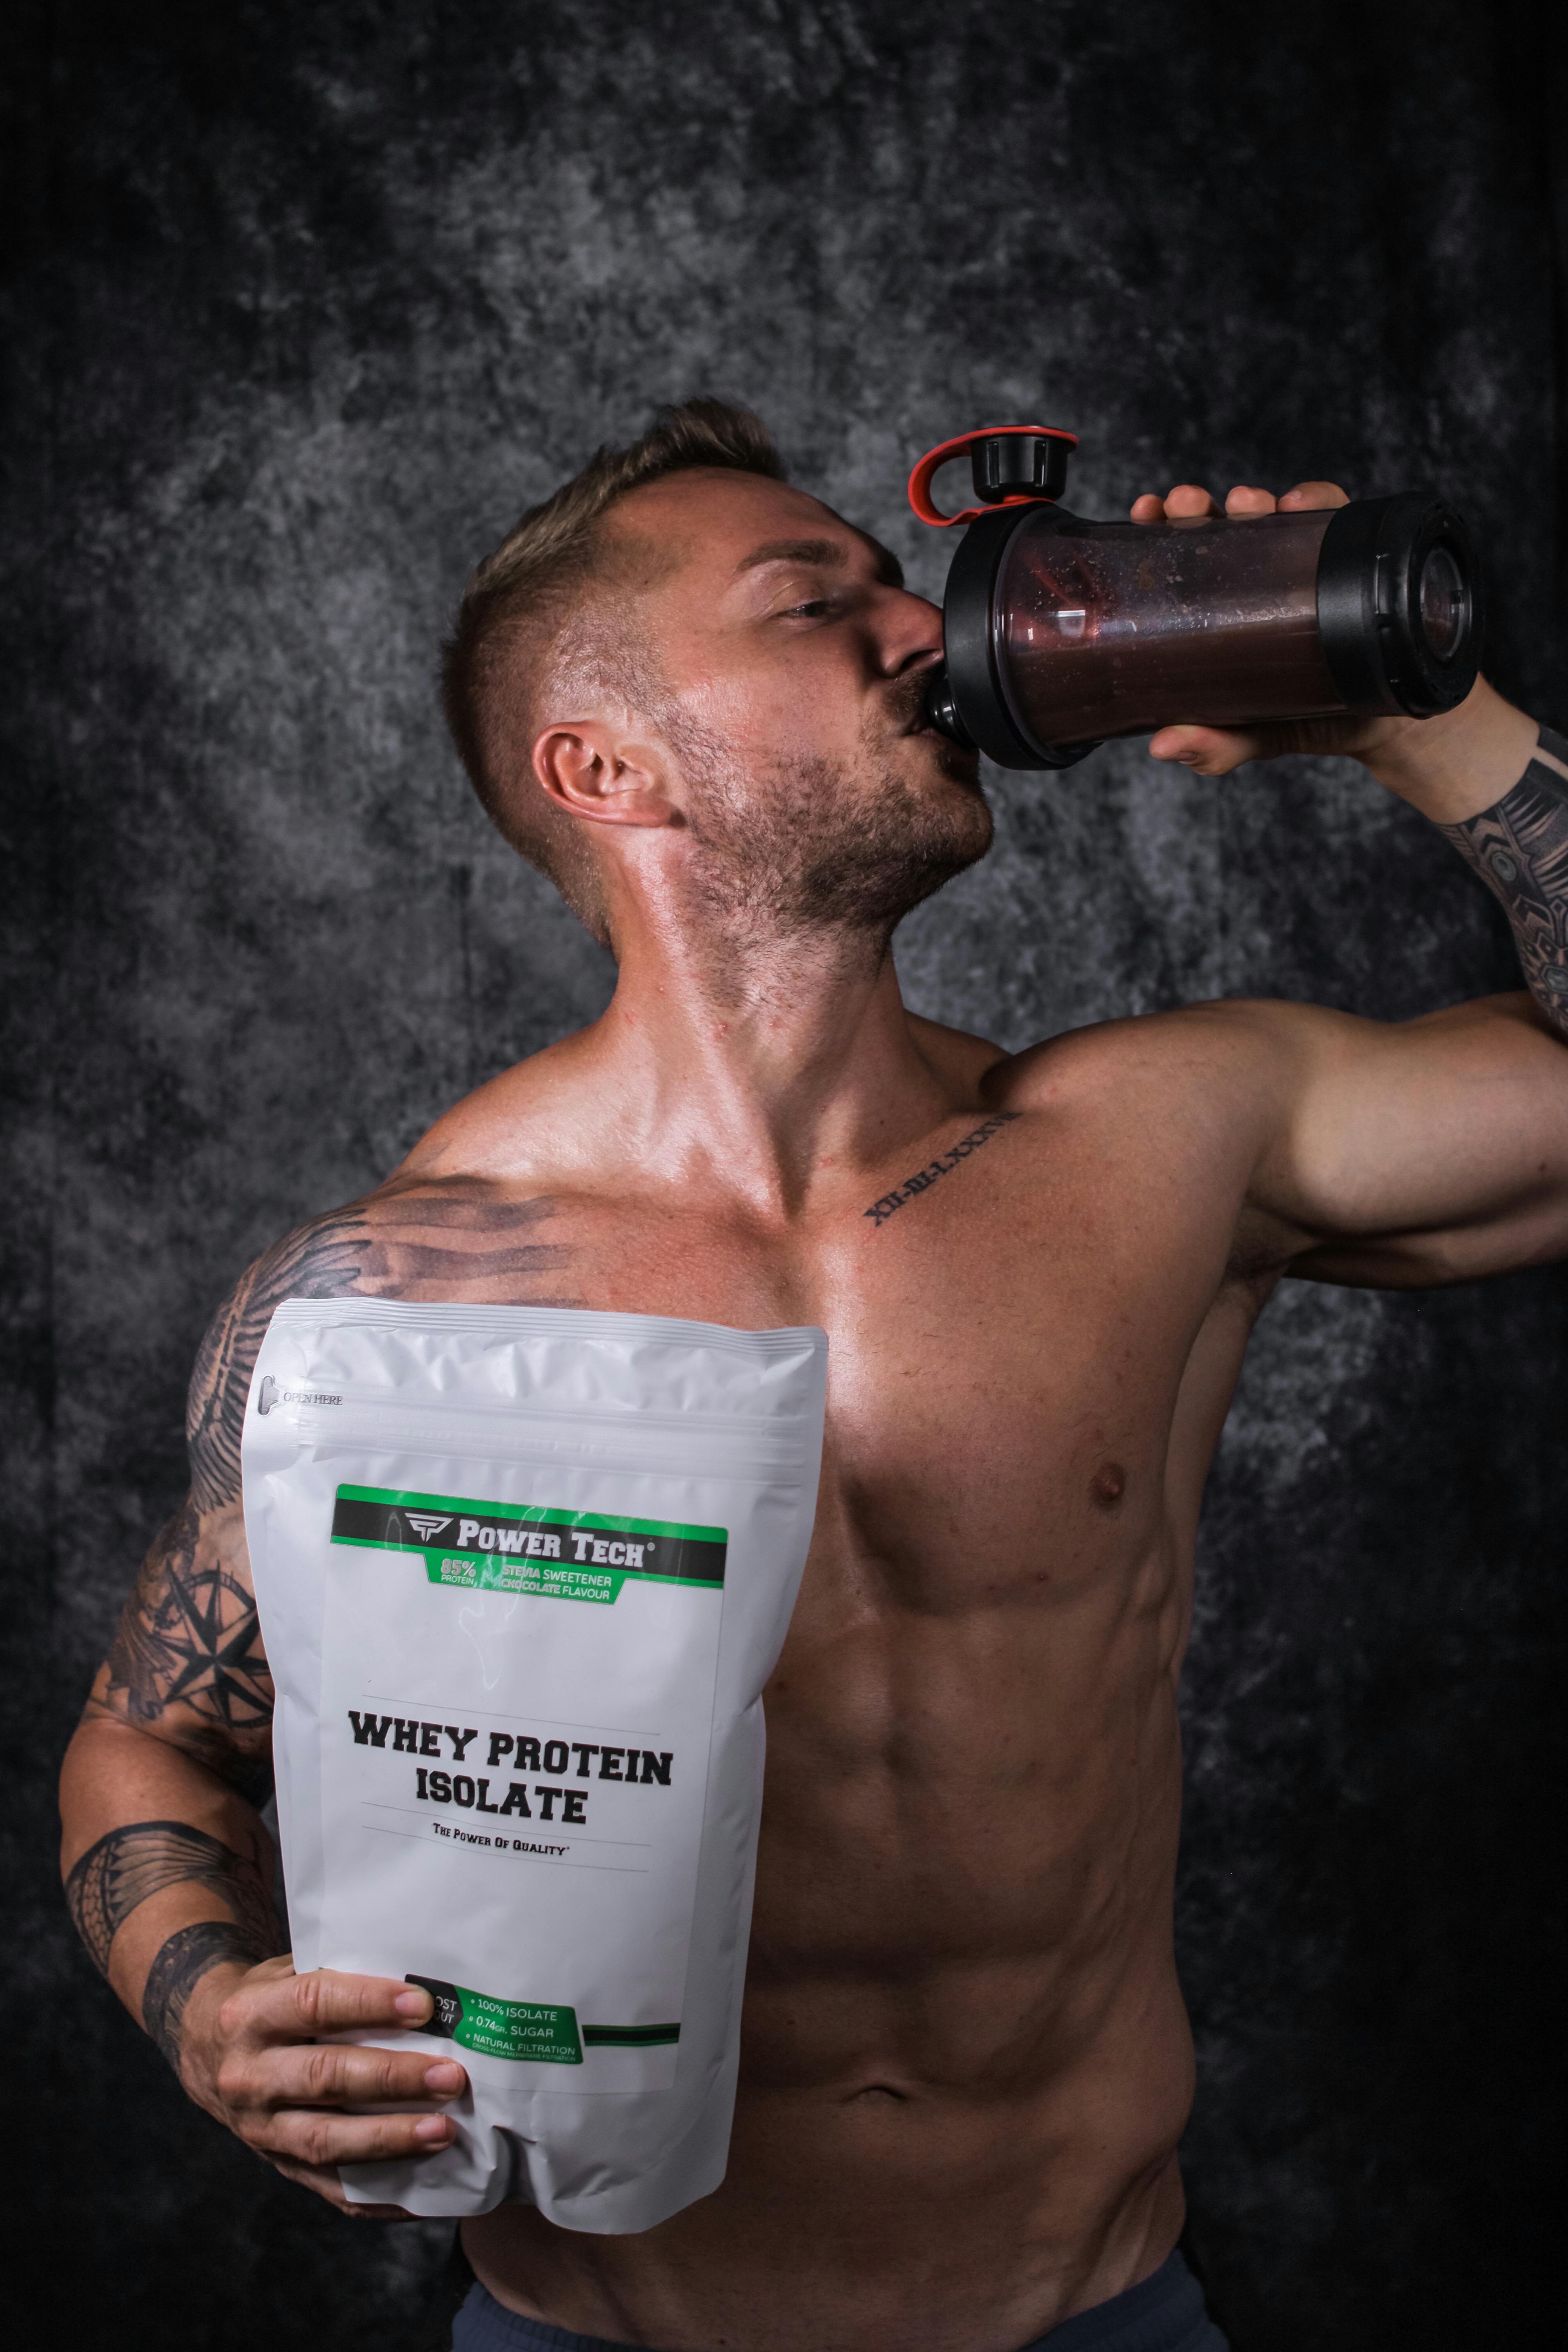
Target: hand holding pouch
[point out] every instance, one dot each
(523, 1574)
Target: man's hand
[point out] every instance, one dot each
(1450, 768)
(249, 2055)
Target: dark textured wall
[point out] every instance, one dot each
(309, 300)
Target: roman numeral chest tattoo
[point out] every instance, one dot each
(943, 1165)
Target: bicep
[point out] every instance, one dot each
(1432, 1152)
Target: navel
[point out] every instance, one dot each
(1107, 1485)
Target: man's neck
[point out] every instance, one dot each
(788, 1058)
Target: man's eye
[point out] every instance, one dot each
(809, 610)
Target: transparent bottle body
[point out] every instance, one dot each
(1105, 629)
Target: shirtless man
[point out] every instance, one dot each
(691, 694)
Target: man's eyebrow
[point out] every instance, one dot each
(827, 551)
(794, 550)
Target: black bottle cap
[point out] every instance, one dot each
(1400, 604)
(1019, 465)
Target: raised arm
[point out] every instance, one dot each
(167, 1865)
(1436, 1151)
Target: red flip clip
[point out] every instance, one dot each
(920, 480)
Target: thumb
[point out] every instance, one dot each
(1207, 750)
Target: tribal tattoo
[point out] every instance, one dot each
(1520, 849)
(179, 1968)
(141, 1859)
(943, 1165)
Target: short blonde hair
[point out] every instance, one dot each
(533, 601)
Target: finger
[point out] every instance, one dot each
(1207, 750)
(1189, 499)
(317, 2135)
(338, 2074)
(1149, 508)
(1312, 494)
(1245, 501)
(298, 2007)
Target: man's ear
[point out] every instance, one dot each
(593, 771)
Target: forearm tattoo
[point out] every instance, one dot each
(1520, 849)
(118, 1874)
(179, 1968)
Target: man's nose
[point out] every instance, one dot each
(910, 634)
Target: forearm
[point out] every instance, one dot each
(1500, 796)
(1520, 848)
(169, 1872)
(168, 1869)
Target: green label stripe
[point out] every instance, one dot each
(536, 2030)
(503, 2029)
(526, 1547)
(628, 2037)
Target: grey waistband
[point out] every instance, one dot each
(1162, 2313)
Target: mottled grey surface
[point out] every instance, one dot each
(308, 301)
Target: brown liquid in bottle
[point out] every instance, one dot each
(1105, 629)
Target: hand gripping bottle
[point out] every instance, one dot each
(1059, 633)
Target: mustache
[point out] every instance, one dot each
(905, 700)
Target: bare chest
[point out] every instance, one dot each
(1007, 1341)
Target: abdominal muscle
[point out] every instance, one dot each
(965, 2063)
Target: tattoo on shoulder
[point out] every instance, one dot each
(943, 1165)
(1520, 849)
(190, 1638)
(434, 1241)
(141, 1859)
(179, 1968)
(323, 1260)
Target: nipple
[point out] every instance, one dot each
(1107, 1485)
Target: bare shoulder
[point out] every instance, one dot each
(420, 1235)
(1232, 1053)
(1262, 1056)
(464, 1217)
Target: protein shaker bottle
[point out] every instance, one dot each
(1059, 633)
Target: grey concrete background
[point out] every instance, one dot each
(305, 302)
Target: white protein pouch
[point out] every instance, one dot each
(523, 1573)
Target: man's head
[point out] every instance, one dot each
(681, 678)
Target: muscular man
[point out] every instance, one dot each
(691, 694)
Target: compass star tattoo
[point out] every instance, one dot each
(190, 1638)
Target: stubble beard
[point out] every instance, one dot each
(817, 846)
